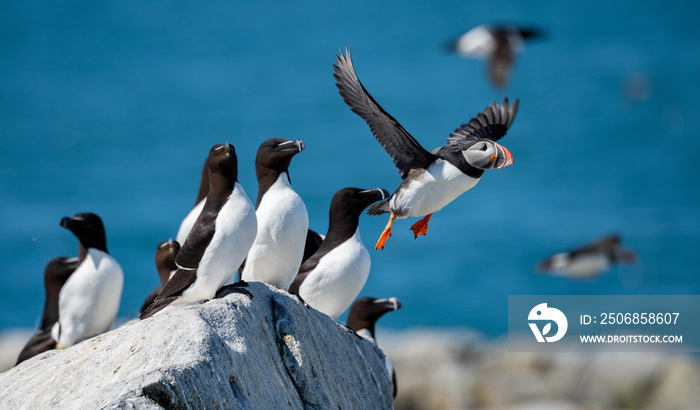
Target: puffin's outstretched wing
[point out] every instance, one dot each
(406, 152)
(491, 124)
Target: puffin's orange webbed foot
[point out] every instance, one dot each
(421, 227)
(386, 233)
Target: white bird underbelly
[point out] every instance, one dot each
(439, 185)
(338, 278)
(283, 223)
(236, 226)
(582, 266)
(89, 301)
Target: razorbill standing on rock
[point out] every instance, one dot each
(219, 240)
(363, 317)
(333, 277)
(166, 252)
(589, 260)
(186, 224)
(57, 272)
(431, 179)
(89, 301)
(496, 43)
(283, 221)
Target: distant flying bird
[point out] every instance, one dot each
(56, 274)
(431, 180)
(89, 301)
(363, 317)
(332, 277)
(589, 260)
(496, 43)
(219, 240)
(166, 252)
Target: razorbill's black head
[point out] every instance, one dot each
(283, 221)
(219, 240)
(363, 317)
(90, 298)
(365, 312)
(331, 279)
(273, 158)
(57, 272)
(166, 252)
(89, 230)
(431, 179)
(497, 43)
(588, 260)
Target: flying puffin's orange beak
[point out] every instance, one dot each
(508, 157)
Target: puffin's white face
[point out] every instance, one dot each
(486, 154)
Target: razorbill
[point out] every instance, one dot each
(166, 252)
(89, 301)
(589, 260)
(496, 43)
(363, 317)
(219, 240)
(186, 224)
(283, 221)
(56, 273)
(333, 277)
(431, 179)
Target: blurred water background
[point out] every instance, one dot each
(111, 107)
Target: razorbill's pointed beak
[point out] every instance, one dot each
(296, 146)
(391, 303)
(172, 246)
(382, 193)
(226, 150)
(506, 156)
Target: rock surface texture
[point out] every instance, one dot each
(236, 352)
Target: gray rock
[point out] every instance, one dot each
(266, 352)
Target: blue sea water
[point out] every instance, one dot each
(111, 107)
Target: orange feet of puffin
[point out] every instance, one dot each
(386, 234)
(421, 227)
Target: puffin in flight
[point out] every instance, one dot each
(589, 260)
(496, 43)
(431, 180)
